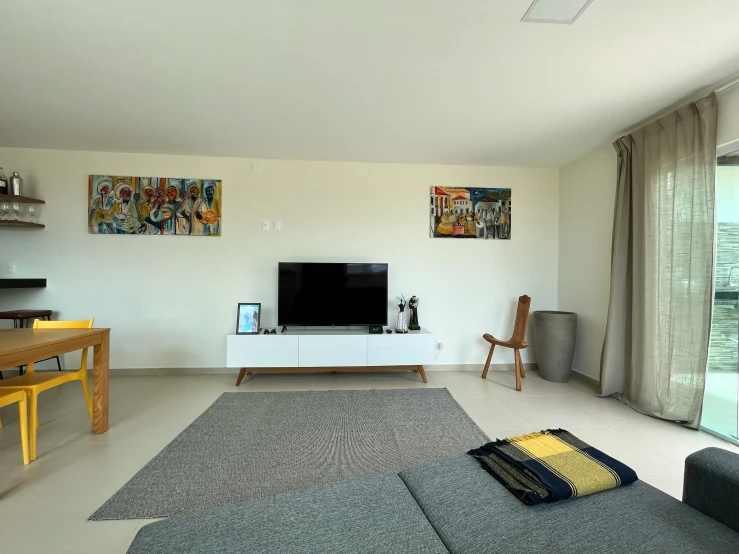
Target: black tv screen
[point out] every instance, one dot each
(317, 294)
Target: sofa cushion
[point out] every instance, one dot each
(367, 514)
(472, 512)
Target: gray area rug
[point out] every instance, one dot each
(252, 445)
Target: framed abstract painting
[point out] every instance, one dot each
(153, 206)
(470, 213)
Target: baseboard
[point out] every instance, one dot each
(233, 370)
(135, 371)
(585, 378)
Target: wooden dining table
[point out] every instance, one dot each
(20, 347)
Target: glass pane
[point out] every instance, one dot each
(721, 400)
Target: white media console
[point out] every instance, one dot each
(312, 350)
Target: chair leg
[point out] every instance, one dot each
(86, 390)
(487, 362)
(58, 363)
(517, 357)
(34, 424)
(23, 419)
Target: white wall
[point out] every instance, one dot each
(171, 300)
(587, 195)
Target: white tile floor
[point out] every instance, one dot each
(44, 506)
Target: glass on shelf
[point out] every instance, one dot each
(4, 209)
(31, 212)
(16, 210)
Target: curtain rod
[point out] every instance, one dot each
(719, 87)
(727, 86)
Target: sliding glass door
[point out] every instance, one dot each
(721, 400)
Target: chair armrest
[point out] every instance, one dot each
(711, 484)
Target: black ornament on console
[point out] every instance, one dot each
(413, 305)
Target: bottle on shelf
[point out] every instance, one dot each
(3, 183)
(15, 184)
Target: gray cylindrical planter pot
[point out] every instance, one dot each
(555, 344)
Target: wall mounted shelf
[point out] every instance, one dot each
(20, 224)
(20, 199)
(22, 283)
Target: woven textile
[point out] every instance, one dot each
(550, 466)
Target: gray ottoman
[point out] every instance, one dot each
(368, 514)
(474, 513)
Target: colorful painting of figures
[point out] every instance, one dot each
(153, 206)
(470, 213)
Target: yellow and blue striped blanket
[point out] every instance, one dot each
(551, 465)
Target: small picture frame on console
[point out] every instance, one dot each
(247, 318)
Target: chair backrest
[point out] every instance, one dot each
(84, 324)
(522, 318)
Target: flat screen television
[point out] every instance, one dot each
(326, 294)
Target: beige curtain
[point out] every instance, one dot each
(659, 313)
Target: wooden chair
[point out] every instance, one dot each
(11, 397)
(516, 341)
(34, 383)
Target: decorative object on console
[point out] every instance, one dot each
(153, 206)
(375, 329)
(473, 213)
(413, 305)
(400, 326)
(247, 318)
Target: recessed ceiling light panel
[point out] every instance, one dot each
(555, 11)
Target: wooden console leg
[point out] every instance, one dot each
(422, 373)
(242, 372)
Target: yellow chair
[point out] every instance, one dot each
(10, 397)
(33, 383)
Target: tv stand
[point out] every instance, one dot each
(322, 350)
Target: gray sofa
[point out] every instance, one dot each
(453, 505)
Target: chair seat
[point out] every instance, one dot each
(507, 343)
(24, 314)
(11, 397)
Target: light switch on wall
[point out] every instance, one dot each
(278, 225)
(266, 224)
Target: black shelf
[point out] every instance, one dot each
(22, 283)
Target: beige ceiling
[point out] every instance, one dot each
(421, 81)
